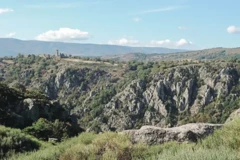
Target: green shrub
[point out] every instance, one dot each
(228, 136)
(198, 154)
(224, 144)
(107, 146)
(54, 152)
(14, 141)
(44, 129)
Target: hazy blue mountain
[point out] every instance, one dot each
(9, 46)
(206, 54)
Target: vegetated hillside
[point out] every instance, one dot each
(11, 47)
(207, 54)
(115, 96)
(35, 114)
(21, 107)
(119, 96)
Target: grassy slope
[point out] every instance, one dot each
(224, 144)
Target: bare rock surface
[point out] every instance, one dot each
(186, 133)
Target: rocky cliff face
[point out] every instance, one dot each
(68, 82)
(20, 110)
(160, 102)
(98, 98)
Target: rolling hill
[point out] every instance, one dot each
(206, 54)
(11, 47)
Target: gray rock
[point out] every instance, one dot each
(187, 133)
(182, 89)
(130, 102)
(32, 109)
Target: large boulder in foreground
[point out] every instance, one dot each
(187, 133)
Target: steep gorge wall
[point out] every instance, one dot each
(183, 90)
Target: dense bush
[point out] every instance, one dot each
(14, 141)
(44, 129)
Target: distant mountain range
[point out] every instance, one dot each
(11, 47)
(206, 54)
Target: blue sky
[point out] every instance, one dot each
(189, 24)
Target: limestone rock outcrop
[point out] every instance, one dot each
(187, 133)
(181, 90)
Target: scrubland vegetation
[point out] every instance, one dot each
(224, 144)
(85, 90)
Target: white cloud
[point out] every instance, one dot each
(137, 19)
(9, 35)
(233, 29)
(167, 43)
(63, 34)
(5, 10)
(125, 42)
(170, 44)
(170, 8)
(161, 42)
(182, 28)
(183, 42)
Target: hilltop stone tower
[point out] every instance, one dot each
(57, 53)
